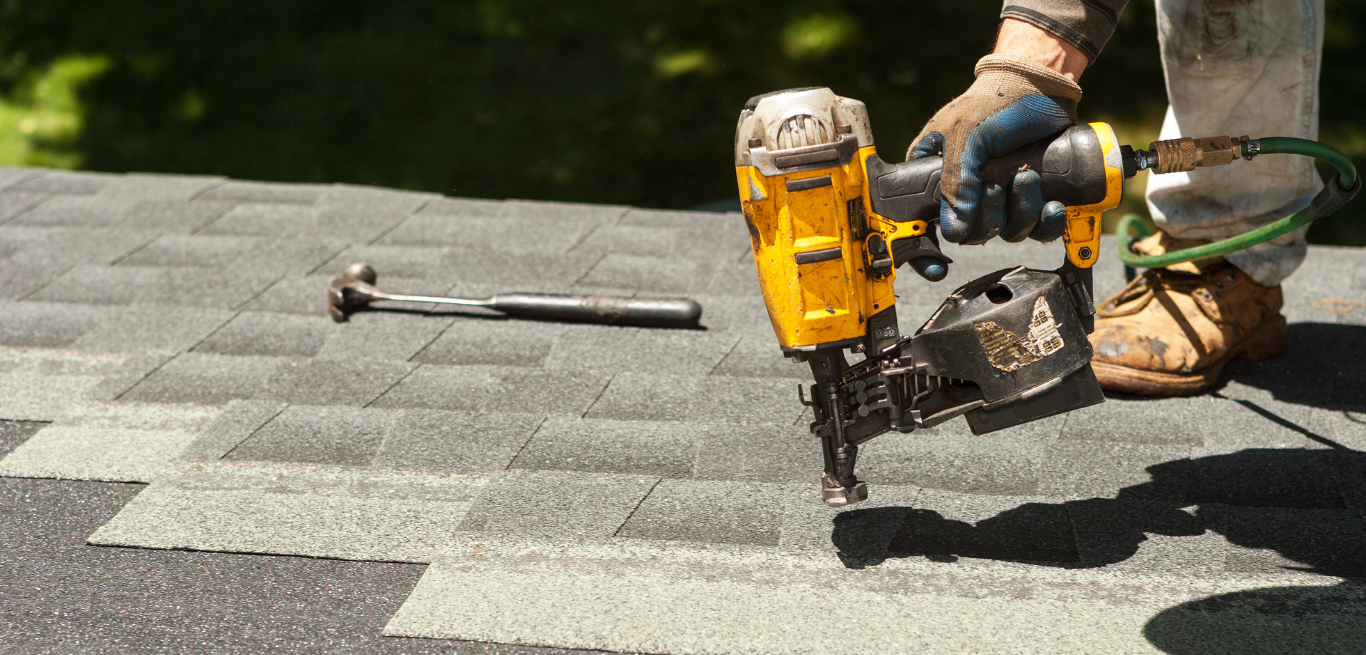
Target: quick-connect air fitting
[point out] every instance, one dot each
(1187, 154)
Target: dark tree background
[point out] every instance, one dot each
(610, 101)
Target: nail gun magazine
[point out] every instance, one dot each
(830, 221)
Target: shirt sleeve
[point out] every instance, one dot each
(1086, 24)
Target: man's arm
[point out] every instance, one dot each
(1027, 40)
(1026, 90)
(1083, 24)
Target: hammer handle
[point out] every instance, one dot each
(612, 310)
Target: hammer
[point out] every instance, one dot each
(356, 288)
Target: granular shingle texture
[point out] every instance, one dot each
(626, 488)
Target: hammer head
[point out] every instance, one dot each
(350, 290)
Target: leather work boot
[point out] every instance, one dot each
(1170, 333)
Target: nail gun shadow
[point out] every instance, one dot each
(1288, 501)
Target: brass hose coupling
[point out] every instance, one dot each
(1187, 153)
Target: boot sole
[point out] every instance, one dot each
(1266, 340)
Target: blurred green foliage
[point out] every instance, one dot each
(611, 101)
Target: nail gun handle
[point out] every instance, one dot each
(1080, 167)
(612, 310)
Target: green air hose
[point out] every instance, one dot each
(1330, 199)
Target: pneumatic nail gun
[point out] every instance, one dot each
(830, 221)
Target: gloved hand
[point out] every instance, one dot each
(1014, 102)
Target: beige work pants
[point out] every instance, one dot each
(1240, 67)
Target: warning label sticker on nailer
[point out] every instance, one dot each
(1008, 351)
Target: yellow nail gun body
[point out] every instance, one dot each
(829, 221)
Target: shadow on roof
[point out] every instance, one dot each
(1291, 501)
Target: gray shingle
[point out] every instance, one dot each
(204, 379)
(1345, 426)
(340, 436)
(657, 218)
(649, 274)
(174, 216)
(492, 340)
(394, 262)
(627, 240)
(1095, 469)
(597, 347)
(63, 247)
(760, 453)
(1349, 472)
(240, 419)
(382, 335)
(1304, 373)
(269, 334)
(495, 389)
(10, 176)
(738, 401)
(153, 186)
(1136, 421)
(65, 182)
(638, 447)
(710, 511)
(710, 399)
(730, 278)
(77, 211)
(293, 294)
(374, 199)
(333, 381)
(1273, 540)
(132, 371)
(340, 223)
(526, 236)
(1256, 421)
(1349, 390)
(645, 397)
(1112, 531)
(457, 442)
(13, 433)
(1256, 477)
(864, 532)
(737, 314)
(121, 285)
(758, 355)
(45, 325)
(150, 328)
(557, 504)
(561, 212)
(940, 459)
(101, 285)
(946, 525)
(501, 271)
(236, 254)
(473, 207)
(18, 281)
(265, 192)
(15, 203)
(192, 251)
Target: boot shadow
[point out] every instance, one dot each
(1324, 365)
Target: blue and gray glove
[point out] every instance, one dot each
(1014, 102)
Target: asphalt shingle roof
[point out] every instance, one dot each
(583, 486)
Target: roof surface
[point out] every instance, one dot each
(577, 486)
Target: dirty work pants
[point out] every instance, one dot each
(1240, 67)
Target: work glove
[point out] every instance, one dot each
(1014, 102)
